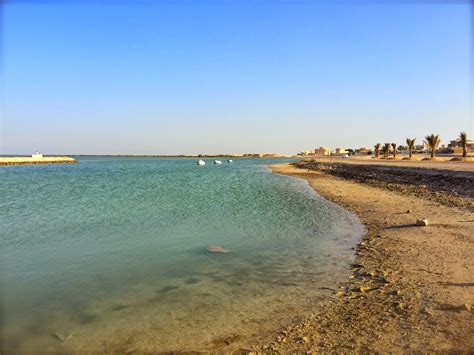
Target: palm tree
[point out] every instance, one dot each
(432, 141)
(377, 149)
(394, 147)
(463, 138)
(386, 150)
(411, 145)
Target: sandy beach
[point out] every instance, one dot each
(412, 287)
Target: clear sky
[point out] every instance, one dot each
(173, 77)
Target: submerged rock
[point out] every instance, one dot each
(62, 337)
(218, 249)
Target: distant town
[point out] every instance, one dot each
(454, 147)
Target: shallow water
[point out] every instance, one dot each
(109, 254)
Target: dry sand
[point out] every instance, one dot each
(32, 161)
(412, 288)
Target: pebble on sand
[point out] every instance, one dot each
(422, 222)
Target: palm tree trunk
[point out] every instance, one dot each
(464, 151)
(432, 153)
(410, 153)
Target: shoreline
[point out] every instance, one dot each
(411, 287)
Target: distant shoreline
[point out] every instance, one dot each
(236, 156)
(8, 161)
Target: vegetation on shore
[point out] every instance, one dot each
(411, 146)
(377, 149)
(463, 138)
(431, 141)
(394, 148)
(386, 150)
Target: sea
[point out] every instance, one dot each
(110, 254)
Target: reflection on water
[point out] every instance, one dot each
(110, 254)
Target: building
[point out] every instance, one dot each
(306, 152)
(341, 151)
(322, 151)
(363, 151)
(456, 145)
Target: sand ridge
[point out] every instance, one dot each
(34, 160)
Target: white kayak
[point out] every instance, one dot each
(217, 162)
(201, 162)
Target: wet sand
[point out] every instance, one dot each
(412, 288)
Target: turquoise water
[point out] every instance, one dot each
(109, 254)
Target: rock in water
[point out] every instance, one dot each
(422, 222)
(218, 249)
(62, 336)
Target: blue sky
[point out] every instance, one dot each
(174, 77)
